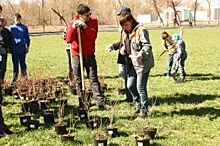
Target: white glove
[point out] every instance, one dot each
(64, 33)
(79, 23)
(122, 50)
(110, 48)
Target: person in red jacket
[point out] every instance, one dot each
(88, 28)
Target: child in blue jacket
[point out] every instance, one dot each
(20, 46)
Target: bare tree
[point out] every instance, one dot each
(196, 5)
(155, 5)
(209, 12)
(173, 5)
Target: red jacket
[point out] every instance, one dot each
(88, 37)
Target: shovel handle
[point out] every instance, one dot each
(81, 57)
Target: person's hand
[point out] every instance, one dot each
(79, 23)
(64, 33)
(110, 48)
(27, 50)
(122, 50)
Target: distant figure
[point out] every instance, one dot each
(169, 46)
(20, 46)
(190, 22)
(179, 57)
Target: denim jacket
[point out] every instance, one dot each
(139, 49)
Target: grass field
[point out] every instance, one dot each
(185, 114)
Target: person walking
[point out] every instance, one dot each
(139, 60)
(20, 46)
(88, 29)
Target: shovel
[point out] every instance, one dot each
(81, 59)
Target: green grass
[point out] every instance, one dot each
(185, 114)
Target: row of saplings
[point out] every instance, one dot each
(47, 98)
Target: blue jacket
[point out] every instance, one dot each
(20, 37)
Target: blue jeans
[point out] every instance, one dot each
(137, 85)
(180, 64)
(170, 64)
(19, 58)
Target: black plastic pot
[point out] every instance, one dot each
(142, 140)
(60, 128)
(67, 137)
(150, 131)
(49, 117)
(25, 119)
(34, 107)
(51, 100)
(33, 124)
(100, 140)
(121, 91)
(91, 124)
(111, 131)
(8, 91)
(24, 107)
(72, 90)
(82, 114)
(43, 104)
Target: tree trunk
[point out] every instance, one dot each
(209, 12)
(195, 9)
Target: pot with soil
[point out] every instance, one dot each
(142, 140)
(150, 131)
(49, 117)
(24, 119)
(67, 138)
(82, 114)
(43, 104)
(33, 124)
(34, 107)
(23, 96)
(60, 128)
(92, 122)
(111, 131)
(24, 106)
(51, 100)
(100, 140)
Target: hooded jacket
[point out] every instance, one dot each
(140, 49)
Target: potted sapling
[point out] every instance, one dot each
(142, 140)
(60, 126)
(112, 129)
(100, 140)
(70, 136)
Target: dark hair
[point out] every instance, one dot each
(82, 9)
(165, 35)
(17, 15)
(0, 7)
(126, 17)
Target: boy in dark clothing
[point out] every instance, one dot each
(20, 46)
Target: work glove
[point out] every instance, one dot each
(110, 48)
(64, 33)
(79, 23)
(122, 50)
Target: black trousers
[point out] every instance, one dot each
(89, 63)
(3, 65)
(2, 124)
